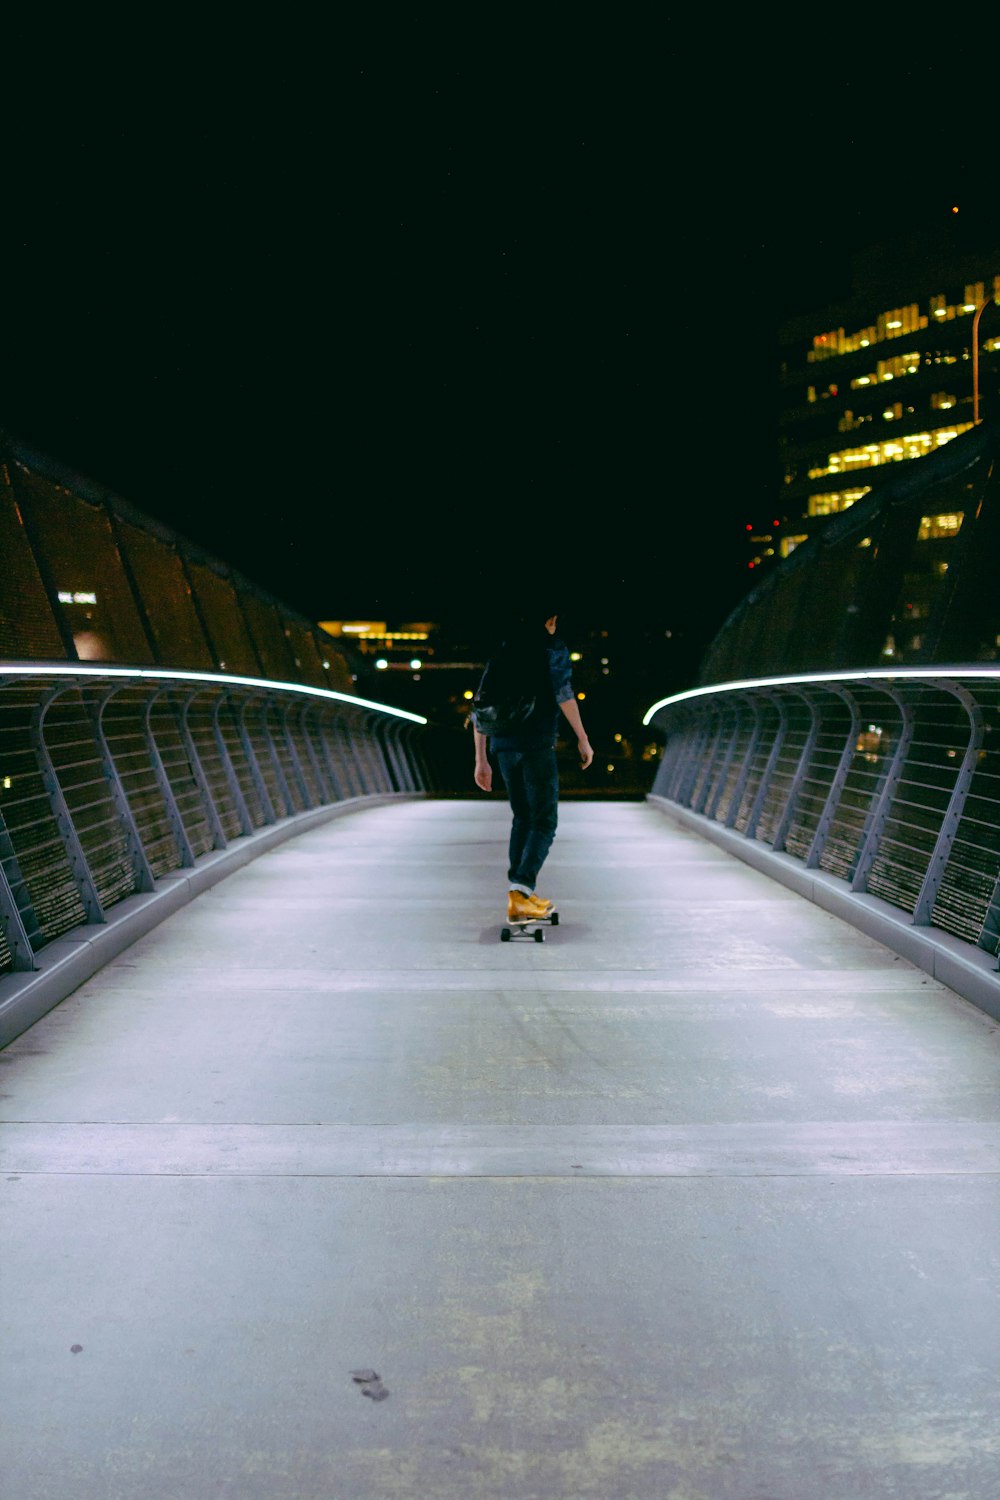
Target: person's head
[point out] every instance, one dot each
(534, 619)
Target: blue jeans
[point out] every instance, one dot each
(532, 781)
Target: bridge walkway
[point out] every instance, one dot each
(697, 1200)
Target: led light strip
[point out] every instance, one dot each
(889, 674)
(157, 675)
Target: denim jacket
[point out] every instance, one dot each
(539, 731)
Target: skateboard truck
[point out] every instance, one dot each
(530, 927)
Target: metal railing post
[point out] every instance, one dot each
(256, 775)
(956, 805)
(144, 878)
(293, 755)
(166, 790)
(839, 781)
(743, 776)
(757, 807)
(219, 840)
(715, 797)
(794, 791)
(319, 773)
(224, 701)
(326, 728)
(879, 811)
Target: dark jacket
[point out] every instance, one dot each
(553, 685)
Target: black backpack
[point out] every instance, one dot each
(509, 689)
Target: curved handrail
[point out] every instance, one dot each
(903, 814)
(118, 782)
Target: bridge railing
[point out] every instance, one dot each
(114, 779)
(887, 782)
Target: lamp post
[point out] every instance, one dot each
(975, 353)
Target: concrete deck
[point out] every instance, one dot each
(698, 1200)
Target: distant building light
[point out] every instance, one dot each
(468, 694)
(581, 696)
(416, 663)
(381, 664)
(575, 656)
(76, 598)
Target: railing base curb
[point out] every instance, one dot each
(970, 972)
(68, 962)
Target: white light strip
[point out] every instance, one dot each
(154, 674)
(885, 675)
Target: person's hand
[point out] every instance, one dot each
(484, 777)
(586, 753)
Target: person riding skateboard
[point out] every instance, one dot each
(526, 758)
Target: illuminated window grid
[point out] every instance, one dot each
(890, 451)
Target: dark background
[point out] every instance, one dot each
(396, 319)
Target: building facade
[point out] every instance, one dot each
(904, 365)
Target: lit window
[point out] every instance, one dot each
(947, 524)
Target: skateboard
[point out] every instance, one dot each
(530, 927)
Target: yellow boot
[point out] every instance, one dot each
(522, 908)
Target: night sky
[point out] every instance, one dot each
(391, 319)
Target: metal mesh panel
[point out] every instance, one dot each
(834, 726)
(200, 719)
(180, 641)
(305, 751)
(39, 857)
(83, 563)
(124, 722)
(165, 719)
(229, 728)
(920, 801)
(275, 720)
(727, 792)
(27, 625)
(714, 747)
(336, 751)
(799, 723)
(224, 621)
(269, 638)
(69, 736)
(314, 727)
(352, 764)
(255, 724)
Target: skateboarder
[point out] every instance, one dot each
(526, 759)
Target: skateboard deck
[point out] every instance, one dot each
(530, 927)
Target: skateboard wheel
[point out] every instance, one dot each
(505, 935)
(554, 919)
(539, 935)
